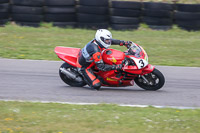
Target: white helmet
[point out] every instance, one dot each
(104, 37)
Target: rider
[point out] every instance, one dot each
(92, 53)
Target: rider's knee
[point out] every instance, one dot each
(96, 86)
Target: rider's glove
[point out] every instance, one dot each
(126, 43)
(118, 67)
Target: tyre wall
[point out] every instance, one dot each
(4, 11)
(158, 16)
(27, 12)
(94, 14)
(61, 13)
(187, 16)
(125, 15)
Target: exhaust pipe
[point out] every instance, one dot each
(71, 75)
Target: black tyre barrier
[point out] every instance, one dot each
(92, 10)
(157, 13)
(127, 5)
(157, 21)
(59, 2)
(27, 17)
(62, 13)
(93, 25)
(61, 9)
(94, 2)
(125, 15)
(4, 7)
(4, 1)
(188, 25)
(125, 12)
(188, 7)
(188, 20)
(124, 26)
(28, 2)
(65, 24)
(3, 21)
(158, 16)
(60, 18)
(162, 27)
(124, 20)
(190, 28)
(194, 23)
(4, 15)
(93, 14)
(29, 24)
(4, 12)
(158, 6)
(92, 18)
(27, 12)
(187, 16)
(26, 9)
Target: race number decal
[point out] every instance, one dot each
(141, 63)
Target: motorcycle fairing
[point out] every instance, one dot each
(134, 70)
(68, 54)
(141, 63)
(111, 78)
(112, 56)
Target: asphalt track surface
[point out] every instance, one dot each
(39, 81)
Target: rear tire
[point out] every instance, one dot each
(155, 78)
(70, 81)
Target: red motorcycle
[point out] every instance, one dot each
(135, 68)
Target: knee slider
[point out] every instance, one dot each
(97, 86)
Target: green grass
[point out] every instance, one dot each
(174, 47)
(26, 117)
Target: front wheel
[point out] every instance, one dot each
(152, 81)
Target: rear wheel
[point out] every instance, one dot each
(68, 80)
(155, 80)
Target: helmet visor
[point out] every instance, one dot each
(106, 41)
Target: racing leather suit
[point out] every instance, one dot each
(92, 53)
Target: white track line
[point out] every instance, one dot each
(123, 105)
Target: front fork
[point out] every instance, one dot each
(148, 69)
(143, 77)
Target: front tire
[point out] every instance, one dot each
(156, 81)
(66, 79)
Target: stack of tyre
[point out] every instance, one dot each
(4, 11)
(187, 16)
(93, 14)
(125, 15)
(61, 13)
(158, 16)
(27, 12)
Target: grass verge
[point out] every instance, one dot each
(26, 117)
(173, 48)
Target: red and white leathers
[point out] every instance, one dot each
(91, 55)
